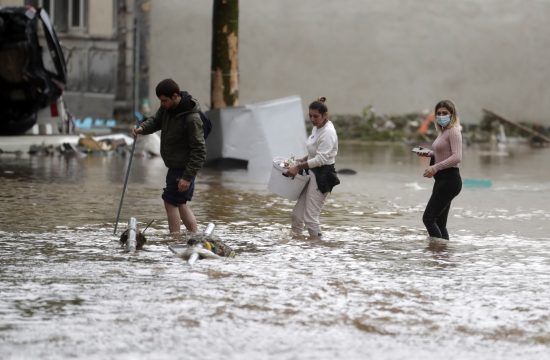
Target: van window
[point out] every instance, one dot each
(48, 54)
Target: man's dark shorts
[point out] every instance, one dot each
(171, 193)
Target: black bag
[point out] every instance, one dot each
(188, 104)
(206, 124)
(326, 178)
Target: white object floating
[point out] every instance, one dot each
(191, 253)
(209, 229)
(287, 187)
(194, 256)
(131, 242)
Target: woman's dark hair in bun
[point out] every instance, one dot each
(319, 105)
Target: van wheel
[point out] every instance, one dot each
(18, 126)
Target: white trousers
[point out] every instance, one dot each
(308, 209)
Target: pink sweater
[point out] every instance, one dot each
(447, 149)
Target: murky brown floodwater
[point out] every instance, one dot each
(375, 287)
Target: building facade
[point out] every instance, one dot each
(102, 42)
(396, 56)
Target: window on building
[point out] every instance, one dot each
(78, 10)
(66, 15)
(60, 15)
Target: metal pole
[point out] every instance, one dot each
(135, 103)
(125, 183)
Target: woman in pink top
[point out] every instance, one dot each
(445, 156)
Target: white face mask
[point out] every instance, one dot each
(443, 120)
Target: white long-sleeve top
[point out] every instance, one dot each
(322, 146)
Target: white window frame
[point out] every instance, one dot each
(82, 23)
(69, 27)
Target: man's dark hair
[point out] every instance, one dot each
(167, 87)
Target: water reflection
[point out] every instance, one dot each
(53, 168)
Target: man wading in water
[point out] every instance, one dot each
(182, 147)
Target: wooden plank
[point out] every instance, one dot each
(523, 128)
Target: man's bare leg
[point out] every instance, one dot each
(188, 218)
(173, 214)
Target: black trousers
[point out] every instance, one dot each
(447, 186)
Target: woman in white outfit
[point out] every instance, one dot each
(322, 147)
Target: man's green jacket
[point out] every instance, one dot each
(182, 144)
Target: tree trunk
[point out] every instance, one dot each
(224, 80)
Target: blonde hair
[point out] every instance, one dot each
(449, 105)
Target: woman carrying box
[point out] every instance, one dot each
(322, 147)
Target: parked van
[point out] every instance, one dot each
(33, 73)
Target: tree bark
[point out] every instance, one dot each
(224, 78)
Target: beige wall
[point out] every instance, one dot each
(180, 38)
(100, 20)
(399, 56)
(11, 2)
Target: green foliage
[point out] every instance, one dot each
(370, 126)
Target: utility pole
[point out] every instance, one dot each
(224, 78)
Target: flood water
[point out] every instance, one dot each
(374, 288)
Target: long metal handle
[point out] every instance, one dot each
(125, 183)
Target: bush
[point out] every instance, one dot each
(370, 126)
